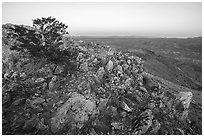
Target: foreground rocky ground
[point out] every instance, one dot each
(108, 93)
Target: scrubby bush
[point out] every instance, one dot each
(43, 40)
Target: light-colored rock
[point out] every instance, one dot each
(75, 111)
(14, 76)
(39, 80)
(54, 78)
(182, 102)
(125, 66)
(151, 105)
(7, 76)
(185, 98)
(18, 101)
(95, 61)
(109, 66)
(80, 56)
(44, 87)
(41, 125)
(84, 67)
(38, 100)
(143, 89)
(100, 73)
(96, 79)
(119, 68)
(125, 107)
(180, 131)
(53, 82)
(22, 75)
(117, 125)
(102, 104)
(51, 85)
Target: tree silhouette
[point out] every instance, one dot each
(43, 40)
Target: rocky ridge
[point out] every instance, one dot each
(109, 93)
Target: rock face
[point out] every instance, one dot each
(76, 111)
(183, 100)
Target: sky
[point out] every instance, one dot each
(169, 19)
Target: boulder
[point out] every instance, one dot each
(119, 68)
(154, 127)
(18, 101)
(38, 100)
(125, 107)
(7, 76)
(40, 125)
(14, 76)
(39, 80)
(59, 69)
(84, 67)
(102, 104)
(54, 78)
(83, 86)
(100, 73)
(185, 98)
(117, 125)
(143, 90)
(75, 111)
(142, 124)
(53, 82)
(101, 126)
(80, 56)
(109, 66)
(44, 87)
(23, 75)
(36, 104)
(182, 102)
(31, 124)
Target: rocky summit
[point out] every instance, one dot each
(108, 93)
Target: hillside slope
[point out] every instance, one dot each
(108, 93)
(176, 60)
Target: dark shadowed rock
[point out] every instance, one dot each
(31, 124)
(143, 122)
(153, 130)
